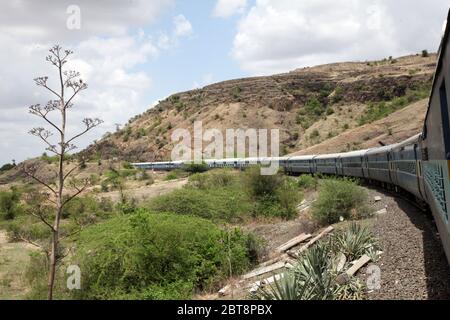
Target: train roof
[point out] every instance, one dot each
(300, 158)
(328, 156)
(407, 142)
(379, 150)
(352, 154)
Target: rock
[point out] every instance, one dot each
(381, 212)
(377, 199)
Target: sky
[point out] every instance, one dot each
(133, 53)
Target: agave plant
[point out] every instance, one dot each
(315, 270)
(354, 242)
(285, 288)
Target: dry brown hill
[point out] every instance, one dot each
(397, 127)
(309, 106)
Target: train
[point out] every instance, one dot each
(419, 165)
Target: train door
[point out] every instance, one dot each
(419, 168)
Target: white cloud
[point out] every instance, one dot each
(108, 54)
(182, 25)
(227, 8)
(281, 35)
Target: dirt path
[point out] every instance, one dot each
(413, 264)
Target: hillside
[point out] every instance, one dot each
(310, 106)
(397, 127)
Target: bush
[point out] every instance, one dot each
(7, 167)
(307, 182)
(157, 256)
(86, 209)
(261, 186)
(218, 204)
(425, 53)
(9, 204)
(273, 195)
(379, 110)
(176, 174)
(339, 199)
(195, 167)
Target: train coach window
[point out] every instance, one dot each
(445, 118)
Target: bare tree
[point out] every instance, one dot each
(70, 85)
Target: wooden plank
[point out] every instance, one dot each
(254, 287)
(293, 242)
(358, 264)
(312, 241)
(273, 261)
(261, 271)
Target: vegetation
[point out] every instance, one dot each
(158, 256)
(272, 195)
(9, 204)
(316, 275)
(217, 195)
(307, 182)
(7, 167)
(379, 110)
(339, 199)
(354, 242)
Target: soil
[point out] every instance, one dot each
(413, 264)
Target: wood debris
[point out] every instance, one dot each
(293, 242)
(311, 242)
(358, 264)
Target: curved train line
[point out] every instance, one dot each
(420, 165)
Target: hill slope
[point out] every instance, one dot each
(309, 106)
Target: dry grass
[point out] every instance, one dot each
(14, 259)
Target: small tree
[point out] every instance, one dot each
(70, 85)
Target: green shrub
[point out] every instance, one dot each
(314, 107)
(218, 204)
(86, 209)
(272, 195)
(288, 197)
(379, 110)
(176, 174)
(6, 167)
(28, 227)
(10, 204)
(195, 167)
(307, 182)
(261, 186)
(157, 256)
(339, 199)
(315, 134)
(127, 165)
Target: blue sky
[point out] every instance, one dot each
(205, 56)
(133, 53)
